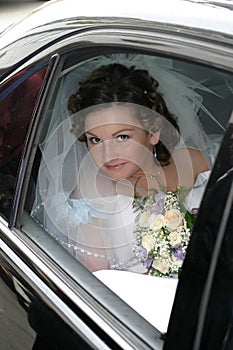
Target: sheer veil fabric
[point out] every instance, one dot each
(77, 204)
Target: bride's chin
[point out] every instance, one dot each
(117, 178)
(115, 175)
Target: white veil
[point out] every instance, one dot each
(96, 225)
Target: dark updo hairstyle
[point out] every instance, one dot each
(117, 83)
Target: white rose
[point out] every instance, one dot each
(175, 238)
(148, 242)
(143, 220)
(164, 254)
(177, 261)
(160, 266)
(173, 219)
(156, 221)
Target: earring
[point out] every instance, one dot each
(154, 151)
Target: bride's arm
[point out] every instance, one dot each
(185, 165)
(199, 162)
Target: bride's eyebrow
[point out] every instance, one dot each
(90, 133)
(114, 134)
(122, 130)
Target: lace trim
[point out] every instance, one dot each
(62, 242)
(130, 262)
(126, 263)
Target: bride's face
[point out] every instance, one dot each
(118, 144)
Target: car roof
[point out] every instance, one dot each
(52, 20)
(215, 16)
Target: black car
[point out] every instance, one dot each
(48, 299)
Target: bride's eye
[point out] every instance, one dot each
(94, 140)
(122, 138)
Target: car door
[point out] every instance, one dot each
(202, 311)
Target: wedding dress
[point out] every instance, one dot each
(100, 232)
(97, 225)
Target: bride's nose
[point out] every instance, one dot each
(110, 150)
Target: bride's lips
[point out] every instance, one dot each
(115, 166)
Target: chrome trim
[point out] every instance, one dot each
(231, 118)
(3, 221)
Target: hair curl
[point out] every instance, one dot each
(117, 83)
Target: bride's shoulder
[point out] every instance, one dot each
(199, 161)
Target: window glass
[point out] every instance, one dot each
(18, 97)
(119, 184)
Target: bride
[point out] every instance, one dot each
(120, 135)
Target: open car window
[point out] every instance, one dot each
(62, 216)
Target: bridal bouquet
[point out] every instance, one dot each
(162, 232)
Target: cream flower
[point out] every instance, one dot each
(175, 238)
(177, 261)
(160, 266)
(148, 242)
(156, 221)
(173, 219)
(143, 220)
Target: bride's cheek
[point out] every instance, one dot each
(95, 154)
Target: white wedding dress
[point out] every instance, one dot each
(99, 232)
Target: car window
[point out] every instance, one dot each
(18, 97)
(53, 205)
